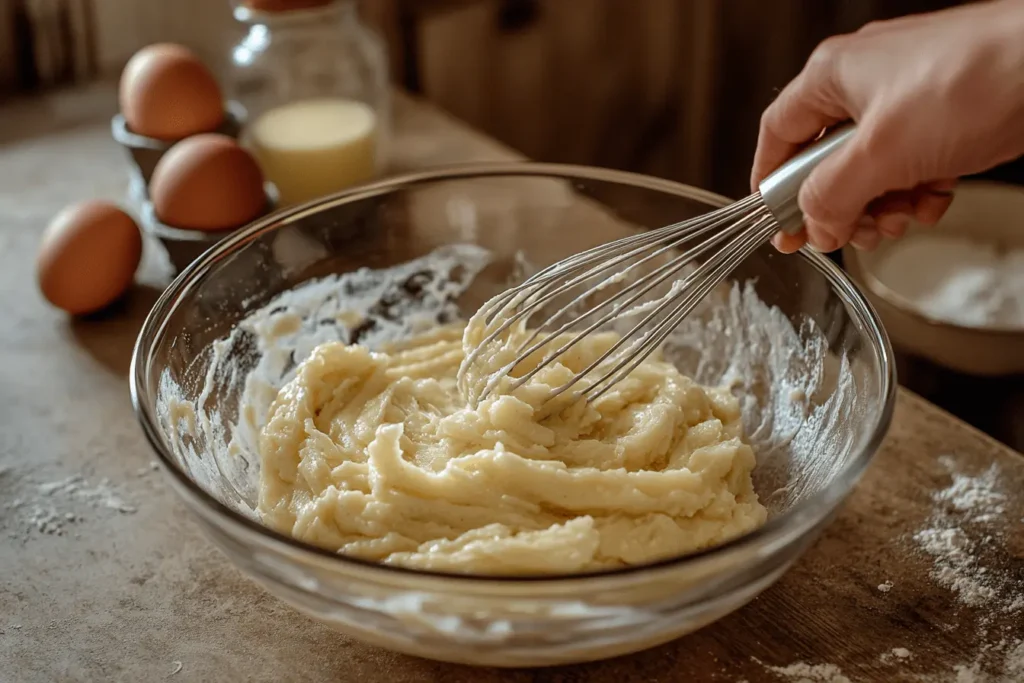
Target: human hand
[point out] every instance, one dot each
(935, 96)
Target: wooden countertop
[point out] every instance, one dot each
(103, 577)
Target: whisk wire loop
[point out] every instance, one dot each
(707, 275)
(712, 245)
(540, 289)
(644, 285)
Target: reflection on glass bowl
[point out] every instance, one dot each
(791, 335)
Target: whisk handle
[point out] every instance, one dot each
(780, 189)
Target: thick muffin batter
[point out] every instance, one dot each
(377, 456)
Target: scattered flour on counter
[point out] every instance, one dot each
(801, 672)
(1002, 662)
(52, 507)
(964, 524)
(1014, 662)
(957, 280)
(998, 662)
(48, 520)
(77, 488)
(895, 655)
(956, 566)
(977, 496)
(151, 467)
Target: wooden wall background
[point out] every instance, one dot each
(669, 87)
(674, 88)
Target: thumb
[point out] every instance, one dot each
(836, 194)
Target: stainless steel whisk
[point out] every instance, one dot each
(724, 237)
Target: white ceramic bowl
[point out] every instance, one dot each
(985, 211)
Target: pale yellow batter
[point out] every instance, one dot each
(376, 455)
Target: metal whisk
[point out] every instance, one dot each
(721, 239)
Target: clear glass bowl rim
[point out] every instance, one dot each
(803, 516)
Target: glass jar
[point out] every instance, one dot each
(313, 81)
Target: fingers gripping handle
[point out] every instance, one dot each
(779, 190)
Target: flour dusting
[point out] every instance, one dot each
(957, 280)
(964, 540)
(956, 566)
(977, 496)
(53, 508)
(895, 655)
(801, 672)
(1001, 662)
(963, 528)
(98, 495)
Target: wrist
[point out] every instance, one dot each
(1006, 49)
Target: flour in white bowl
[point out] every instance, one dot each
(957, 280)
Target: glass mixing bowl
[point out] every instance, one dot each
(791, 335)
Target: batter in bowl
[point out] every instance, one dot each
(377, 455)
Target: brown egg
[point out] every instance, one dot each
(167, 93)
(207, 182)
(88, 257)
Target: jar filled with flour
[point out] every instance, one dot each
(314, 83)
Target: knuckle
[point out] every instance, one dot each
(873, 27)
(822, 67)
(775, 118)
(768, 118)
(828, 51)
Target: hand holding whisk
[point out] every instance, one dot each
(655, 260)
